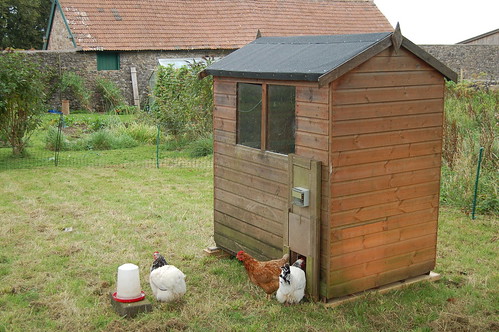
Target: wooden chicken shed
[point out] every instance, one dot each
(330, 147)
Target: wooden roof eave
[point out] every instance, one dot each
(359, 59)
(397, 40)
(57, 6)
(429, 59)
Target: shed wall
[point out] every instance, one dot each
(250, 196)
(251, 186)
(386, 143)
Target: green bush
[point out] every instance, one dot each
(183, 104)
(22, 94)
(470, 123)
(52, 138)
(201, 147)
(101, 139)
(176, 143)
(125, 110)
(110, 94)
(100, 122)
(139, 131)
(65, 144)
(107, 140)
(73, 85)
(3, 140)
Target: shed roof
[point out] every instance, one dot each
(304, 58)
(312, 58)
(120, 25)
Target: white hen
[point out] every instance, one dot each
(167, 282)
(292, 283)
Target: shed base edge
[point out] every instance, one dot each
(432, 276)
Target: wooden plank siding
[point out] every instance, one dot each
(250, 196)
(377, 130)
(385, 152)
(312, 141)
(312, 123)
(251, 186)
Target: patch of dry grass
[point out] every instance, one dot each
(56, 279)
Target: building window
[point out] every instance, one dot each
(108, 61)
(281, 119)
(249, 115)
(266, 117)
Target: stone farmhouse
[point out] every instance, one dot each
(124, 40)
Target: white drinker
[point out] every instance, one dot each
(128, 284)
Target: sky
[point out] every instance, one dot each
(441, 21)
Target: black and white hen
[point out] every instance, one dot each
(167, 282)
(159, 261)
(292, 282)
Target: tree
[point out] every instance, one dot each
(183, 104)
(23, 23)
(21, 99)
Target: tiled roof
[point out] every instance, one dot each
(211, 24)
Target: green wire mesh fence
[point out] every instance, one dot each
(145, 155)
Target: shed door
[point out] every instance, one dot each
(301, 232)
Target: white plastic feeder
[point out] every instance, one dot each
(128, 284)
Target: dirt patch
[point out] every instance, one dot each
(75, 131)
(452, 322)
(37, 306)
(67, 252)
(493, 327)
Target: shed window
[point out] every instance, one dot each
(108, 61)
(281, 119)
(266, 117)
(249, 115)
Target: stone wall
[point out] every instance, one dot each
(470, 62)
(85, 65)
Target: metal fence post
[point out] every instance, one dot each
(157, 148)
(476, 182)
(58, 140)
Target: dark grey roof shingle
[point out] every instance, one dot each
(294, 58)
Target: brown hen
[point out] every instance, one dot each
(263, 274)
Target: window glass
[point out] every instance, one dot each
(249, 114)
(281, 119)
(108, 61)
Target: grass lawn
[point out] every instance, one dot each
(54, 279)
